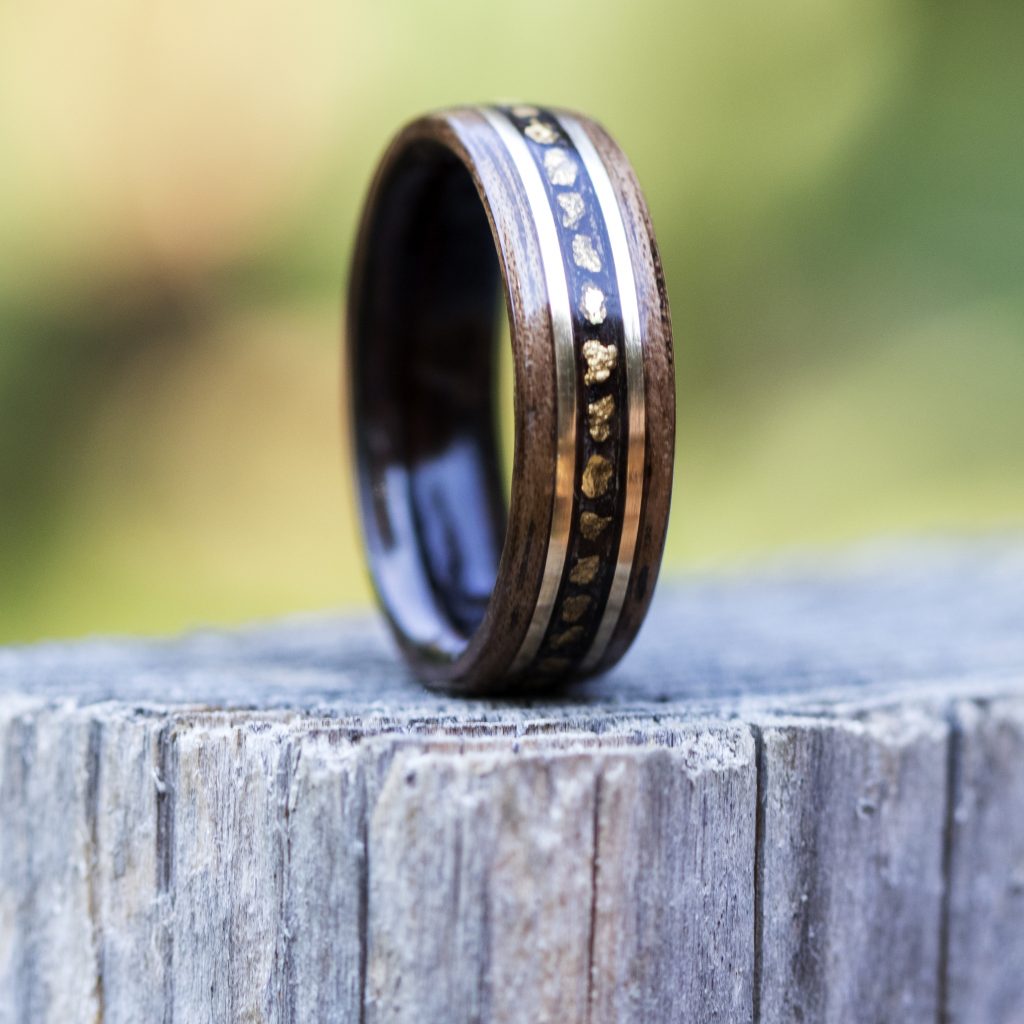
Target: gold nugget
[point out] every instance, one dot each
(585, 569)
(541, 132)
(560, 168)
(601, 360)
(593, 525)
(573, 208)
(592, 304)
(569, 636)
(553, 666)
(597, 474)
(584, 254)
(575, 607)
(599, 415)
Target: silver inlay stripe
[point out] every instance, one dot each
(633, 339)
(565, 382)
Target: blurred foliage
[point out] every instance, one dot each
(838, 199)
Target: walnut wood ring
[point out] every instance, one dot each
(485, 597)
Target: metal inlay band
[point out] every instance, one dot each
(565, 382)
(633, 339)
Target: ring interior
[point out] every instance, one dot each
(433, 501)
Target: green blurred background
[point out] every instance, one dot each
(838, 194)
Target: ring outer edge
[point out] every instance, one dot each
(482, 667)
(659, 387)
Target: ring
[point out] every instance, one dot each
(486, 595)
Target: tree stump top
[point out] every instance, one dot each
(800, 797)
(882, 622)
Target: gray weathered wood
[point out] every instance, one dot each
(800, 798)
(985, 832)
(850, 867)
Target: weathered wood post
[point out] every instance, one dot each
(800, 799)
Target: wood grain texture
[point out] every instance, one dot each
(801, 798)
(850, 868)
(985, 937)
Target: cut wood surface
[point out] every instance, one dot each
(800, 798)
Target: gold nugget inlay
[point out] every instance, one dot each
(560, 168)
(553, 666)
(541, 132)
(575, 607)
(573, 208)
(584, 254)
(593, 525)
(566, 638)
(599, 415)
(601, 361)
(597, 474)
(592, 304)
(585, 569)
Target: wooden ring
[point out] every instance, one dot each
(486, 598)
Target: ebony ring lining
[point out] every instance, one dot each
(473, 602)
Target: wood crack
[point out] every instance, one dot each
(761, 771)
(165, 778)
(953, 744)
(92, 801)
(595, 868)
(363, 882)
(284, 955)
